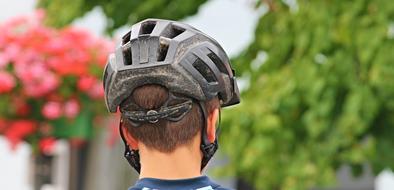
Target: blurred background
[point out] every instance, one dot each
(317, 82)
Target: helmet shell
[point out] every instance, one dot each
(174, 55)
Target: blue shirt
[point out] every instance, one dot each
(197, 183)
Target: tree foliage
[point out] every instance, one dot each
(118, 12)
(323, 97)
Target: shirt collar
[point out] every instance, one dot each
(188, 183)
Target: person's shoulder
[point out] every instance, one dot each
(210, 188)
(134, 188)
(217, 188)
(197, 183)
(214, 186)
(221, 188)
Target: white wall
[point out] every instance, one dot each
(14, 164)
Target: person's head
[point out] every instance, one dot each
(165, 136)
(169, 81)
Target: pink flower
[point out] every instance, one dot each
(7, 82)
(97, 91)
(21, 106)
(41, 88)
(67, 65)
(10, 52)
(3, 124)
(46, 145)
(71, 108)
(102, 53)
(34, 61)
(52, 110)
(86, 83)
(4, 59)
(39, 14)
(55, 46)
(37, 80)
(18, 130)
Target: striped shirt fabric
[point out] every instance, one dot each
(197, 183)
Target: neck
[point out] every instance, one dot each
(183, 162)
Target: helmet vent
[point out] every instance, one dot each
(163, 49)
(219, 64)
(147, 27)
(204, 70)
(127, 55)
(126, 38)
(172, 31)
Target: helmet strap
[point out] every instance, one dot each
(132, 156)
(208, 149)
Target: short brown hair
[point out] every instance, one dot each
(165, 135)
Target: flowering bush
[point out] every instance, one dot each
(50, 81)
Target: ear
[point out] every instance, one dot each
(131, 141)
(211, 125)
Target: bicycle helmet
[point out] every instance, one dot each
(178, 57)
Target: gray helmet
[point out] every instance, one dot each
(171, 54)
(176, 56)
